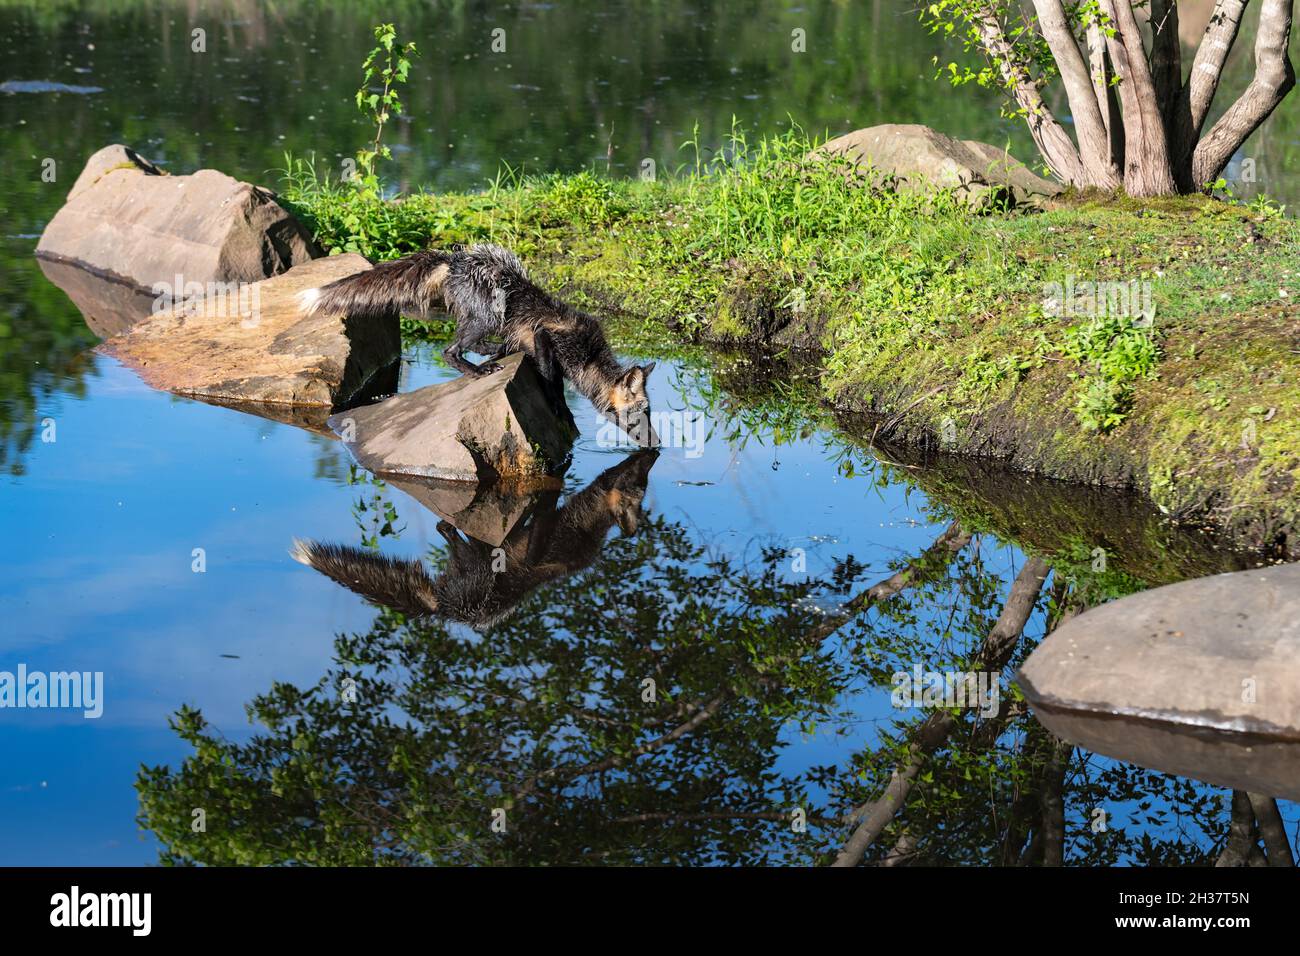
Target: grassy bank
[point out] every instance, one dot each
(946, 324)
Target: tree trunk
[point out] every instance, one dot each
(1101, 75)
(1154, 146)
(1053, 142)
(1202, 83)
(1147, 170)
(1166, 61)
(1274, 78)
(1094, 140)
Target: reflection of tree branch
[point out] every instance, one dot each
(902, 852)
(935, 729)
(988, 732)
(1015, 849)
(1052, 799)
(1053, 802)
(944, 547)
(1241, 832)
(939, 554)
(777, 815)
(1271, 829)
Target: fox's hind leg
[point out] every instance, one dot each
(455, 356)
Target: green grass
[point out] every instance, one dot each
(923, 309)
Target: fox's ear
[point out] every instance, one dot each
(647, 369)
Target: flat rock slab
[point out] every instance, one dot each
(469, 429)
(256, 346)
(128, 220)
(1200, 678)
(923, 158)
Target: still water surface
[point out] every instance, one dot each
(713, 560)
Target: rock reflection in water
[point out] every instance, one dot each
(109, 306)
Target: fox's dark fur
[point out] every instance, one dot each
(487, 291)
(550, 545)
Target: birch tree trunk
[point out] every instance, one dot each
(1097, 168)
(1147, 170)
(1274, 79)
(1151, 142)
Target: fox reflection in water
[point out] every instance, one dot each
(481, 585)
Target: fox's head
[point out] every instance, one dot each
(625, 494)
(630, 404)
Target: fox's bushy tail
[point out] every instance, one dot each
(398, 583)
(410, 285)
(471, 284)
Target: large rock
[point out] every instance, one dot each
(127, 219)
(252, 344)
(922, 158)
(468, 429)
(1200, 678)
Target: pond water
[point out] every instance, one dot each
(149, 540)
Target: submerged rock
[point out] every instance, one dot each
(253, 344)
(468, 429)
(1200, 679)
(129, 220)
(922, 158)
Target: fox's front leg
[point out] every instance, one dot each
(548, 366)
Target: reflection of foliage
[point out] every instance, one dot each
(43, 354)
(747, 397)
(545, 718)
(446, 728)
(376, 514)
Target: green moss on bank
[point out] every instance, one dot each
(942, 321)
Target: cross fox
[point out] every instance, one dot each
(487, 291)
(477, 587)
